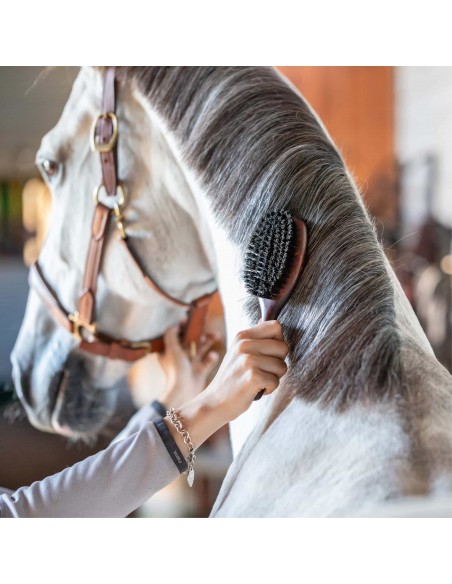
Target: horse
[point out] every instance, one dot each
(362, 418)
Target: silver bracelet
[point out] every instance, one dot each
(175, 420)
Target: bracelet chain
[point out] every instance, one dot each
(177, 423)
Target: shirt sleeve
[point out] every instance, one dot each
(147, 413)
(111, 483)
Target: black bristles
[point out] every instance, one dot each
(269, 257)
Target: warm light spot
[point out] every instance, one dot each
(446, 264)
(36, 208)
(30, 251)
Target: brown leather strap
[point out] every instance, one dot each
(38, 282)
(114, 349)
(98, 343)
(197, 309)
(101, 218)
(104, 131)
(87, 299)
(107, 346)
(148, 279)
(196, 321)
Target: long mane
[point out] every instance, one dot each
(255, 145)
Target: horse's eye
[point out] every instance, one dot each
(49, 167)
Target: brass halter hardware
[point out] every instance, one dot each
(80, 325)
(108, 146)
(119, 221)
(118, 199)
(115, 203)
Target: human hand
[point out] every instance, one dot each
(186, 377)
(254, 361)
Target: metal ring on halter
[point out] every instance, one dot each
(111, 201)
(108, 146)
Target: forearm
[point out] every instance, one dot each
(111, 483)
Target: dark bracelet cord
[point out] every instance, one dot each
(159, 408)
(171, 445)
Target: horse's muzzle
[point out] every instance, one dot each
(69, 402)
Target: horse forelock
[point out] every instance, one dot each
(255, 145)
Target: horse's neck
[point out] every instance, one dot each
(227, 260)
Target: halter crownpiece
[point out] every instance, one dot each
(81, 323)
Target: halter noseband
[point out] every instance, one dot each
(81, 323)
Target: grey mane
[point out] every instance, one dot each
(255, 145)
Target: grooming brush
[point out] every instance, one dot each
(273, 262)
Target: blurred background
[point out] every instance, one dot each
(393, 126)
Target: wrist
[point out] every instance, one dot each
(169, 397)
(199, 418)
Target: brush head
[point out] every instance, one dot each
(270, 256)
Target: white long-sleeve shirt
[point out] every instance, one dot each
(111, 483)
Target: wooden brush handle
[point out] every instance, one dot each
(269, 311)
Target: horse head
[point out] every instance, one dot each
(63, 388)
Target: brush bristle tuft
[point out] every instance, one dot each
(270, 253)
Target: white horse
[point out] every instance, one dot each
(363, 417)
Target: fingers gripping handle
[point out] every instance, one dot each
(269, 311)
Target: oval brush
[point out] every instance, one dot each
(274, 261)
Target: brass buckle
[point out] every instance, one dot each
(139, 345)
(79, 325)
(108, 147)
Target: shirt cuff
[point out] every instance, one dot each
(171, 445)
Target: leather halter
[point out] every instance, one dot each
(81, 323)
